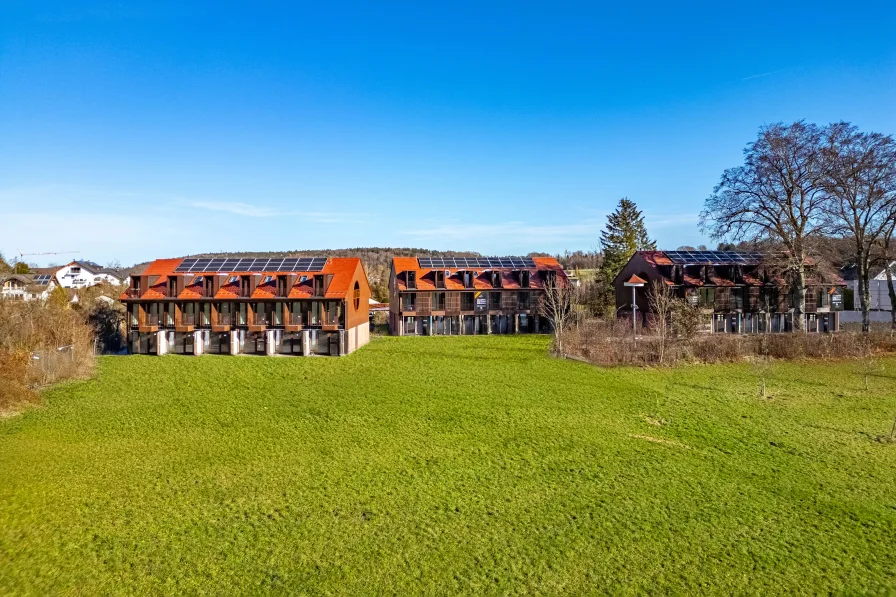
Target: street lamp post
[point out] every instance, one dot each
(635, 282)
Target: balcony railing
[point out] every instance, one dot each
(408, 306)
(188, 319)
(295, 319)
(262, 319)
(225, 319)
(152, 319)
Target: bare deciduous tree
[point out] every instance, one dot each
(776, 194)
(860, 190)
(661, 301)
(558, 304)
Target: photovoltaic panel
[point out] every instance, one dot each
(42, 279)
(714, 257)
(476, 262)
(277, 264)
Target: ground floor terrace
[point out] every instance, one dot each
(236, 341)
(467, 324)
(760, 323)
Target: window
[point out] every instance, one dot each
(823, 298)
(494, 300)
(523, 300)
(524, 279)
(707, 297)
(356, 295)
(466, 301)
(468, 279)
(440, 279)
(770, 299)
(409, 301)
(411, 279)
(496, 279)
(738, 298)
(438, 301)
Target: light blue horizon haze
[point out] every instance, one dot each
(132, 131)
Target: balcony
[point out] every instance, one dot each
(150, 324)
(258, 322)
(187, 323)
(225, 321)
(294, 323)
(408, 307)
(329, 322)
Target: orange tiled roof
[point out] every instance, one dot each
(342, 270)
(425, 277)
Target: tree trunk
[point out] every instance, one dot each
(799, 322)
(891, 290)
(864, 293)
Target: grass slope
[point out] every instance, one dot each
(449, 465)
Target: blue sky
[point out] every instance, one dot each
(153, 130)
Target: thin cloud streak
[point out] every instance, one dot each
(256, 211)
(760, 75)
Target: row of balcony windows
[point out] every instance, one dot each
(409, 300)
(310, 313)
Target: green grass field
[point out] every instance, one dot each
(450, 466)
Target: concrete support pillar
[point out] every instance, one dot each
(488, 323)
(198, 344)
(306, 342)
(235, 342)
(269, 342)
(430, 325)
(161, 343)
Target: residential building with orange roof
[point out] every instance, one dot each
(434, 296)
(735, 291)
(294, 306)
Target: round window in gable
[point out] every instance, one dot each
(357, 295)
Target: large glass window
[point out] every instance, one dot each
(494, 300)
(707, 297)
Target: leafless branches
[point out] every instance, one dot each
(558, 303)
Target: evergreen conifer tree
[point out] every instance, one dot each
(624, 235)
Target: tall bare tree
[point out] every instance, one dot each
(777, 194)
(860, 189)
(558, 303)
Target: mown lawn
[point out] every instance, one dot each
(450, 466)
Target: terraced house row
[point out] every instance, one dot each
(432, 296)
(739, 292)
(298, 306)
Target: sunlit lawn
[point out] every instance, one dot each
(450, 466)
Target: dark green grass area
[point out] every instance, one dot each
(450, 466)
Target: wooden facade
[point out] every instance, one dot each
(468, 300)
(744, 297)
(173, 308)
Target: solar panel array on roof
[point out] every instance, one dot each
(42, 279)
(278, 264)
(476, 262)
(713, 257)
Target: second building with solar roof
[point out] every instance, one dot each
(446, 296)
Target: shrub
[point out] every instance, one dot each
(610, 343)
(31, 336)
